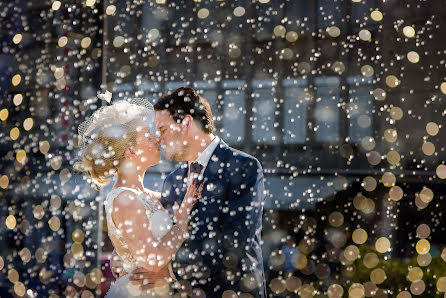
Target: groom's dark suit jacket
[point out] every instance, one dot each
(223, 251)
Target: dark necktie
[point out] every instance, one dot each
(195, 171)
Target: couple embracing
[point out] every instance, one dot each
(201, 235)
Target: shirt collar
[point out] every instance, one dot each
(204, 157)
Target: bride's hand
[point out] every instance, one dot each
(192, 196)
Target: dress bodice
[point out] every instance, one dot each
(159, 222)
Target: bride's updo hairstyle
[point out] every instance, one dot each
(107, 134)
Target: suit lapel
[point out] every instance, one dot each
(214, 185)
(213, 173)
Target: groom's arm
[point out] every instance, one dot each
(242, 222)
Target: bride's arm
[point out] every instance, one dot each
(129, 216)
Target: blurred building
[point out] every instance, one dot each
(339, 100)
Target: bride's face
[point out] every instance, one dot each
(147, 148)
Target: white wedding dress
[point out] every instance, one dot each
(160, 224)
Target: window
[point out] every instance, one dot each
(263, 112)
(295, 111)
(326, 110)
(234, 111)
(359, 108)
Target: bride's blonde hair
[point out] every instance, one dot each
(107, 134)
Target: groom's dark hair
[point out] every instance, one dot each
(186, 101)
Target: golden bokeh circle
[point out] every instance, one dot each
(426, 194)
(54, 223)
(404, 294)
(19, 289)
(373, 157)
(409, 31)
(413, 57)
(376, 15)
(356, 290)
(414, 274)
(391, 135)
(17, 99)
(21, 156)
(291, 36)
(44, 147)
(359, 236)
(4, 181)
(367, 70)
(16, 79)
(28, 124)
(62, 42)
(239, 11)
(424, 260)
(388, 179)
(14, 133)
(396, 113)
(392, 81)
(382, 245)
(423, 231)
(110, 10)
(335, 291)
(85, 42)
(333, 31)
(4, 113)
(441, 171)
(432, 128)
(378, 276)
(77, 236)
(379, 94)
(370, 260)
(443, 87)
(393, 157)
(25, 255)
(368, 143)
(369, 183)
(365, 35)
(203, 13)
(351, 253)
(441, 284)
(13, 275)
(396, 193)
(38, 212)
(277, 286)
(293, 284)
(279, 31)
(423, 246)
(336, 219)
(417, 287)
(428, 148)
(11, 222)
(56, 5)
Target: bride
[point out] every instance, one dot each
(119, 140)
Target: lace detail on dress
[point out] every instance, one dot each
(159, 220)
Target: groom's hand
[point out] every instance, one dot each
(149, 279)
(116, 264)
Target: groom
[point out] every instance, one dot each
(222, 253)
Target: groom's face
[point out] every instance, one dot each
(171, 136)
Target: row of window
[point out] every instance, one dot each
(303, 116)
